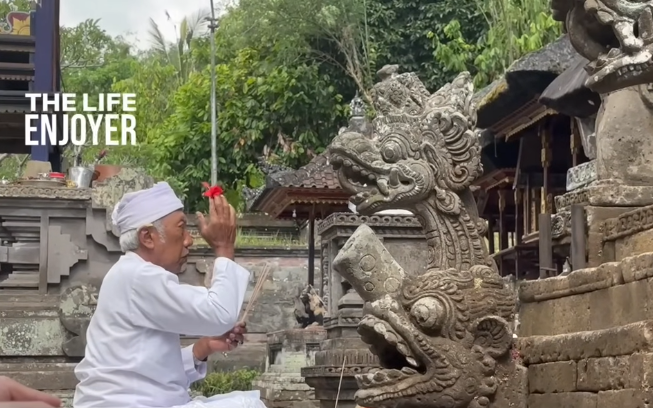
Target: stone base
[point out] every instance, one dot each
(588, 336)
(606, 194)
(616, 195)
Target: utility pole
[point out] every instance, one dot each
(213, 24)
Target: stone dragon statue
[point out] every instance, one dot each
(616, 36)
(443, 339)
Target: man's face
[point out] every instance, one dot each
(170, 249)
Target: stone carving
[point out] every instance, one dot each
(629, 223)
(561, 224)
(357, 107)
(616, 36)
(309, 308)
(443, 337)
(581, 176)
(75, 310)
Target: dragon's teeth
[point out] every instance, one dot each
(412, 362)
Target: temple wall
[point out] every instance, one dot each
(586, 337)
(56, 246)
(274, 310)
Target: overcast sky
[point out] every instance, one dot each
(118, 17)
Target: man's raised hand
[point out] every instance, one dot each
(220, 229)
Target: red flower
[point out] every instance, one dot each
(212, 192)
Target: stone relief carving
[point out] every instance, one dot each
(581, 176)
(76, 307)
(443, 337)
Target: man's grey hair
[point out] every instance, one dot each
(129, 240)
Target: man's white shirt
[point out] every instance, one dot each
(133, 356)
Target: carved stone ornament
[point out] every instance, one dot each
(357, 107)
(581, 176)
(76, 307)
(443, 338)
(616, 36)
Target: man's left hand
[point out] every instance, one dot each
(227, 342)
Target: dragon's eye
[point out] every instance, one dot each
(391, 152)
(428, 313)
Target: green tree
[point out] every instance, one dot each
(292, 112)
(179, 54)
(10, 5)
(517, 27)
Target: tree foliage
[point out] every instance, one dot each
(289, 112)
(516, 28)
(286, 70)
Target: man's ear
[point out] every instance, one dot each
(493, 334)
(145, 238)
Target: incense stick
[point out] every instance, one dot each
(256, 292)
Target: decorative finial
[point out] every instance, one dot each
(357, 107)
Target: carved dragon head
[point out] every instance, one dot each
(442, 338)
(616, 36)
(423, 145)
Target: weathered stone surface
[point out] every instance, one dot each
(555, 316)
(552, 377)
(596, 216)
(563, 400)
(577, 282)
(616, 341)
(616, 373)
(41, 376)
(423, 157)
(633, 300)
(625, 398)
(585, 299)
(635, 244)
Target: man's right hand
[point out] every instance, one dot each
(220, 229)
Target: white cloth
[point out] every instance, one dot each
(236, 399)
(142, 207)
(133, 356)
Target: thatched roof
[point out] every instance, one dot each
(526, 79)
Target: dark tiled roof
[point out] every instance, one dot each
(317, 174)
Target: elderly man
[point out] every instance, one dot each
(133, 356)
